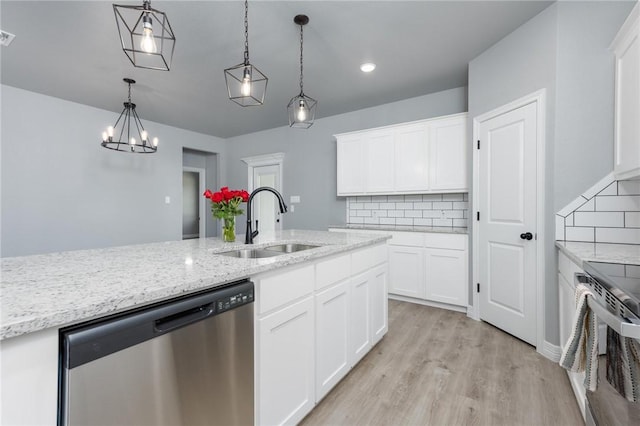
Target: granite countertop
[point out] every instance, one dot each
(404, 228)
(600, 252)
(58, 289)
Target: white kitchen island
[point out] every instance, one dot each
(42, 293)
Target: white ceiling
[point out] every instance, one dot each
(71, 50)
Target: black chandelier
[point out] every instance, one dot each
(246, 85)
(146, 35)
(132, 137)
(301, 108)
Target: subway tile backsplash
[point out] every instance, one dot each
(412, 210)
(608, 212)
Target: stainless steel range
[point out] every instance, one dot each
(616, 302)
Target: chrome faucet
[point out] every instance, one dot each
(250, 234)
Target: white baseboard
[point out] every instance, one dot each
(428, 303)
(472, 313)
(550, 351)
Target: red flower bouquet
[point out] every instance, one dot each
(225, 204)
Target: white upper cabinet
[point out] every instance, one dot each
(418, 157)
(626, 47)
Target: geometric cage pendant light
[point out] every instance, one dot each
(146, 36)
(128, 134)
(246, 84)
(301, 108)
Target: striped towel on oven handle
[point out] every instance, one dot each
(581, 351)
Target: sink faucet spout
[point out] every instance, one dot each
(250, 233)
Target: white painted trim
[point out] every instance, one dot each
(539, 98)
(551, 351)
(201, 204)
(275, 159)
(471, 313)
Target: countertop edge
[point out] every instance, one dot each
(580, 252)
(404, 228)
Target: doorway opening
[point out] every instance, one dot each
(199, 172)
(265, 170)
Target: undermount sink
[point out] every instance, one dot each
(290, 248)
(249, 253)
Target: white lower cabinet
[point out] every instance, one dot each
(379, 302)
(406, 271)
(285, 364)
(332, 337)
(446, 280)
(360, 318)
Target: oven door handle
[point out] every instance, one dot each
(618, 324)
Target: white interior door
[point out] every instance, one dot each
(507, 207)
(265, 204)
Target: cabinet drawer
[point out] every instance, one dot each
(412, 239)
(367, 258)
(281, 288)
(333, 270)
(446, 241)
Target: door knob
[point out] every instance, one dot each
(526, 236)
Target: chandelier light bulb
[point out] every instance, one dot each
(155, 142)
(132, 141)
(144, 135)
(110, 131)
(246, 82)
(148, 42)
(104, 136)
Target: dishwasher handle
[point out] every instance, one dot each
(171, 322)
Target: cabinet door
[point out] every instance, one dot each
(406, 276)
(379, 303)
(446, 272)
(448, 154)
(627, 103)
(379, 163)
(350, 164)
(332, 337)
(411, 158)
(285, 364)
(360, 317)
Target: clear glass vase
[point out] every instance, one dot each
(229, 229)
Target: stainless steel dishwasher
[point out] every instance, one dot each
(185, 362)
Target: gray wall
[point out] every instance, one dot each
(564, 50)
(310, 155)
(62, 191)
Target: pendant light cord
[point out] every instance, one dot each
(246, 32)
(301, 66)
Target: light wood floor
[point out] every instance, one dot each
(437, 367)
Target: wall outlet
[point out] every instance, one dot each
(167, 200)
(443, 214)
(294, 199)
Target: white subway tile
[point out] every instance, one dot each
(589, 206)
(371, 206)
(632, 219)
(569, 220)
(423, 222)
(413, 213)
(629, 187)
(379, 213)
(363, 199)
(618, 235)
(356, 220)
(388, 206)
(606, 219)
(404, 221)
(602, 184)
(442, 222)
(435, 214)
(447, 205)
(452, 197)
(395, 213)
(612, 189)
(415, 197)
(461, 223)
(364, 213)
(629, 203)
(461, 205)
(425, 205)
(559, 228)
(580, 234)
(353, 212)
(465, 213)
(371, 221)
(404, 206)
(453, 214)
(395, 198)
(387, 221)
(432, 197)
(379, 199)
(356, 206)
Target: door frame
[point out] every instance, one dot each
(275, 159)
(539, 98)
(201, 204)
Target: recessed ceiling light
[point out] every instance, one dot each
(368, 67)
